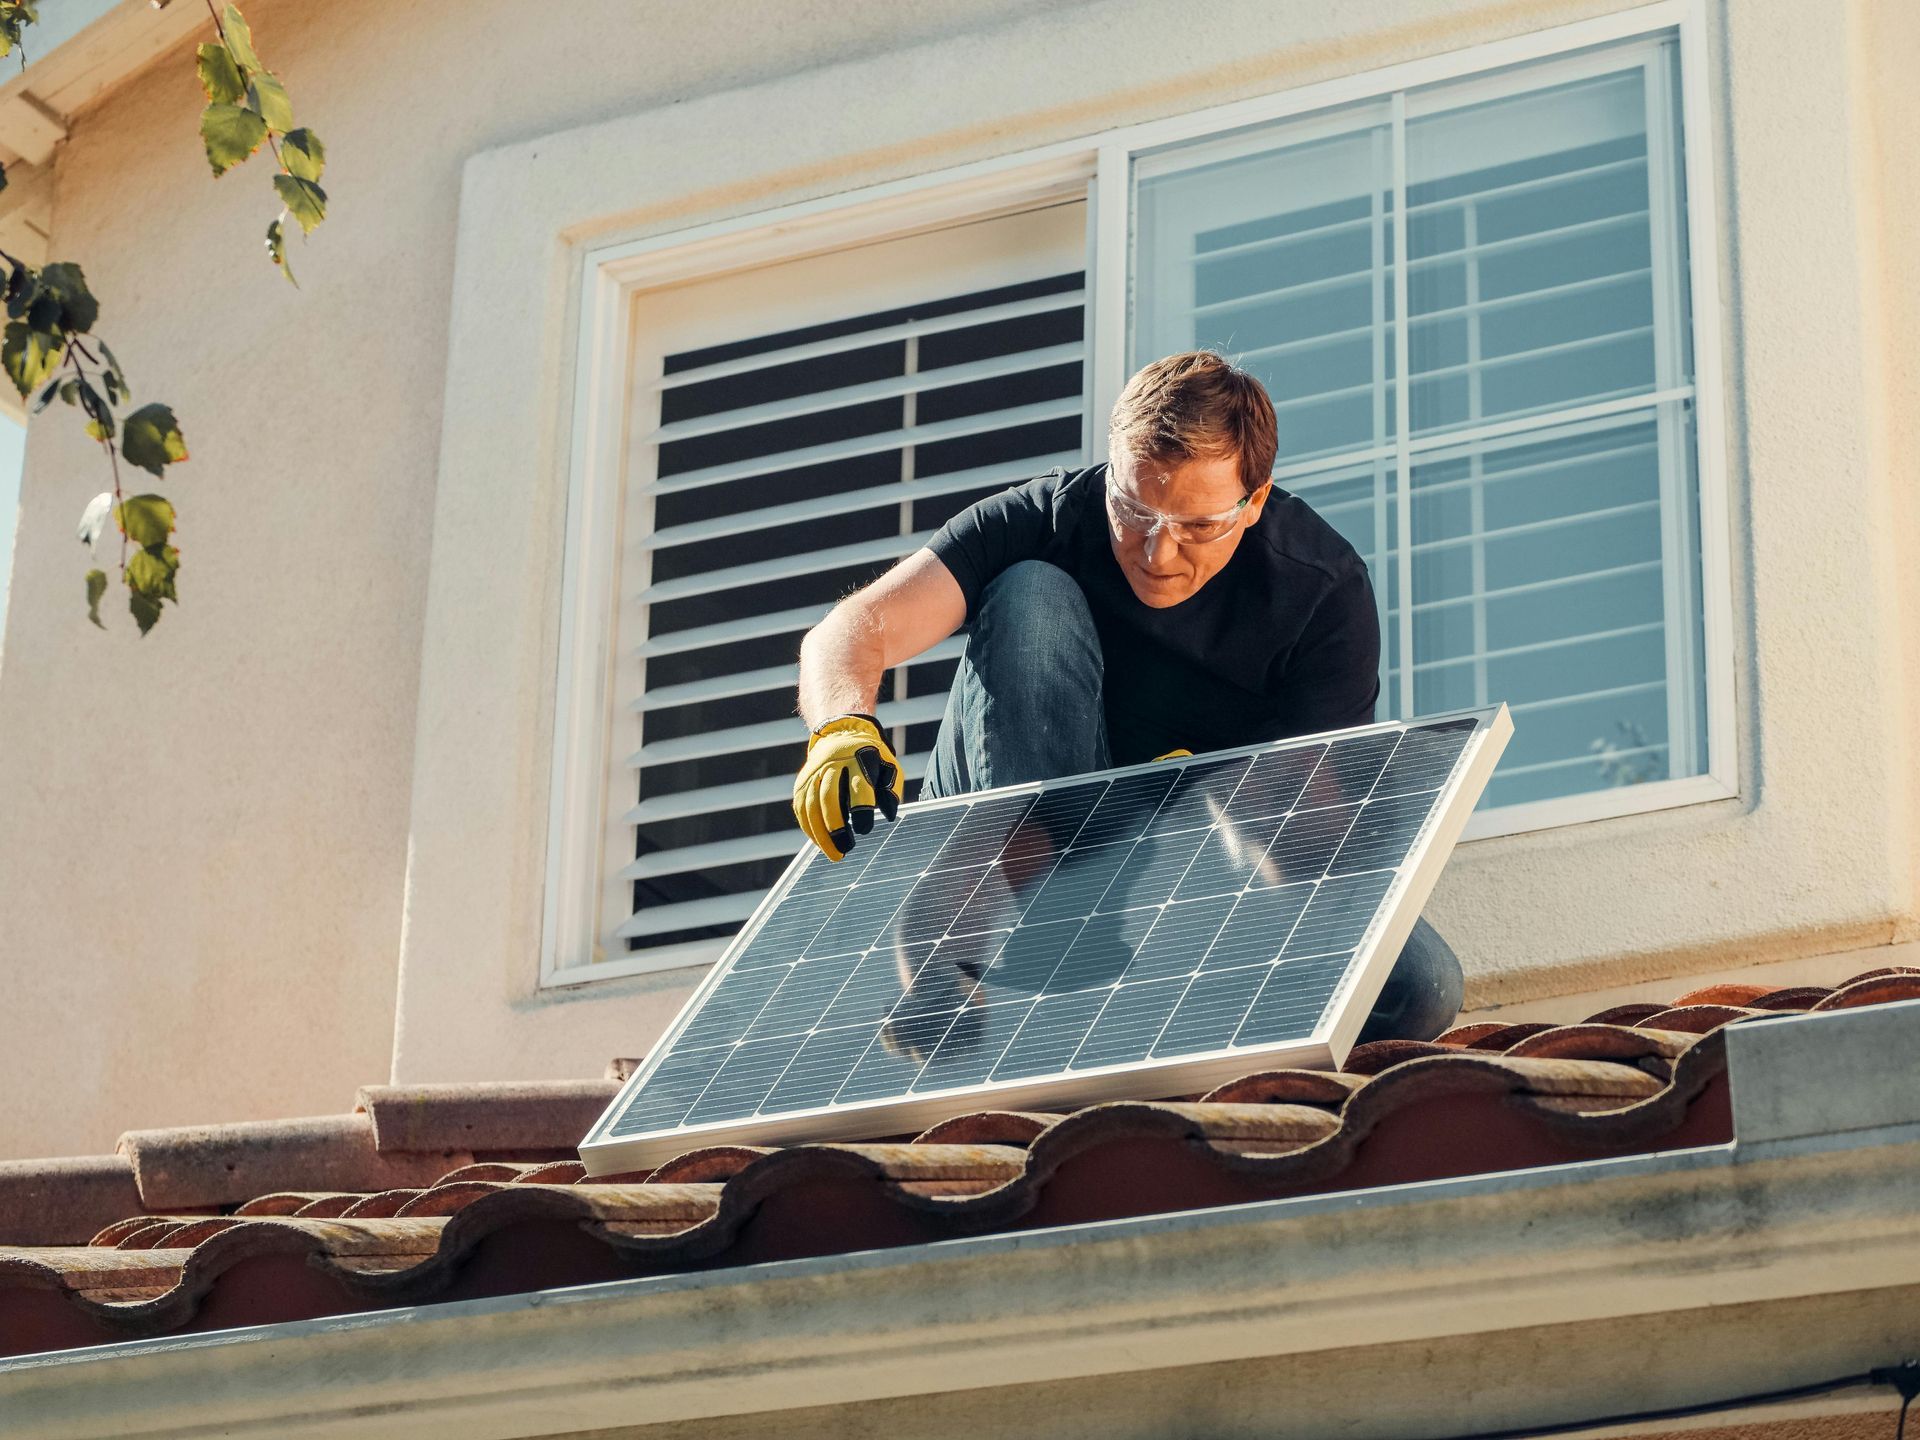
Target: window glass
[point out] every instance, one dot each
(1533, 534)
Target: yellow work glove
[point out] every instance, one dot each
(850, 771)
(1172, 755)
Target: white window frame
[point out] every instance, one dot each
(1098, 166)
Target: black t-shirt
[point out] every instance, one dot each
(1285, 640)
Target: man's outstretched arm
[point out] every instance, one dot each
(850, 770)
(912, 607)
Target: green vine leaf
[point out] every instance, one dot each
(277, 250)
(101, 429)
(46, 396)
(114, 373)
(303, 154)
(152, 440)
(29, 355)
(145, 608)
(240, 40)
(96, 591)
(15, 16)
(146, 519)
(220, 78)
(63, 281)
(231, 133)
(267, 98)
(151, 571)
(304, 200)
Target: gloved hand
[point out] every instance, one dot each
(1173, 755)
(850, 772)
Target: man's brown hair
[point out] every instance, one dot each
(1196, 405)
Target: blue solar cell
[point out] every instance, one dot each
(972, 1046)
(1181, 935)
(1149, 875)
(1129, 1023)
(1053, 1030)
(1128, 807)
(819, 1069)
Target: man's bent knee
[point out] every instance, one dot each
(1034, 628)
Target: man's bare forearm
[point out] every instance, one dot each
(841, 662)
(914, 605)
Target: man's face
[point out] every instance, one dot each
(1161, 569)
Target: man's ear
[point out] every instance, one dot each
(1258, 502)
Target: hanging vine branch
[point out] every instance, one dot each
(49, 345)
(49, 311)
(247, 104)
(15, 16)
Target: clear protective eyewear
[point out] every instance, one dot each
(1186, 530)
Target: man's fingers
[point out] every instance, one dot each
(882, 777)
(813, 820)
(833, 807)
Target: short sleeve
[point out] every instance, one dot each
(997, 532)
(1331, 678)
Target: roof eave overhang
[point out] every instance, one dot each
(81, 51)
(1819, 1196)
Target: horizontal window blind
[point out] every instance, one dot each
(1514, 246)
(786, 470)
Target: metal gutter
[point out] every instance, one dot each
(1818, 1197)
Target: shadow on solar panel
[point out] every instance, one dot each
(1148, 931)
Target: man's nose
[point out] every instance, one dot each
(1162, 549)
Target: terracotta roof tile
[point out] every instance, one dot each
(482, 1118)
(226, 1164)
(333, 1216)
(45, 1202)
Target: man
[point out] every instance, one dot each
(1168, 601)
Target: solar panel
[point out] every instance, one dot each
(1148, 931)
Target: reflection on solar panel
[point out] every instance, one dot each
(1148, 931)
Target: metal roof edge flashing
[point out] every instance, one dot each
(1824, 1074)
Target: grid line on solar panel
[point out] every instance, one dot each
(908, 849)
(1201, 794)
(1382, 831)
(1183, 932)
(1128, 1023)
(1100, 923)
(983, 831)
(966, 1057)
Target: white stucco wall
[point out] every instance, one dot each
(201, 913)
(203, 834)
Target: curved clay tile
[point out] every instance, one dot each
(1629, 1014)
(1602, 1042)
(711, 1162)
(1696, 1019)
(988, 1127)
(1289, 1087)
(1467, 1034)
(1742, 995)
(1874, 988)
(1794, 997)
(1377, 1055)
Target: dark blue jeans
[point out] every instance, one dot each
(1026, 705)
